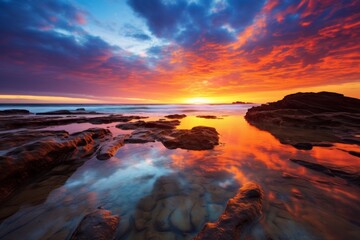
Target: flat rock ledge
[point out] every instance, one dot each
(109, 149)
(34, 153)
(100, 225)
(241, 211)
(309, 119)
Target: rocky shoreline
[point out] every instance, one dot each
(303, 120)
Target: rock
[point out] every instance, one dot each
(14, 112)
(180, 217)
(208, 117)
(176, 116)
(354, 153)
(241, 102)
(35, 121)
(309, 118)
(151, 124)
(303, 146)
(198, 138)
(140, 136)
(331, 170)
(241, 211)
(41, 154)
(80, 109)
(67, 112)
(100, 224)
(110, 148)
(199, 214)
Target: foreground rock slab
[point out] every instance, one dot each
(99, 225)
(37, 152)
(305, 119)
(241, 211)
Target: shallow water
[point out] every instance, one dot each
(170, 194)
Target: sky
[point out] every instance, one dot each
(176, 51)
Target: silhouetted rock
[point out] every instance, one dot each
(176, 116)
(109, 149)
(240, 213)
(312, 118)
(208, 117)
(14, 112)
(331, 170)
(354, 153)
(43, 152)
(99, 225)
(240, 102)
(303, 146)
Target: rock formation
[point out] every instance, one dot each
(241, 211)
(99, 225)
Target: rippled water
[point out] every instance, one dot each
(170, 194)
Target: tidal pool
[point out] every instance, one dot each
(170, 194)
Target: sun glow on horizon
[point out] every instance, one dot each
(199, 100)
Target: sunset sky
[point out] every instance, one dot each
(167, 51)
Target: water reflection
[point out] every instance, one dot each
(169, 194)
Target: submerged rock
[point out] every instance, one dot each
(331, 170)
(43, 152)
(111, 147)
(241, 211)
(176, 116)
(313, 118)
(100, 224)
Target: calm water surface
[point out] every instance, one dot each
(169, 194)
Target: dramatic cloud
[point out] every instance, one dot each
(208, 48)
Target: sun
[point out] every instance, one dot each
(198, 100)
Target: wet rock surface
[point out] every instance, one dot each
(109, 149)
(100, 224)
(34, 153)
(331, 170)
(8, 122)
(309, 118)
(241, 211)
(198, 138)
